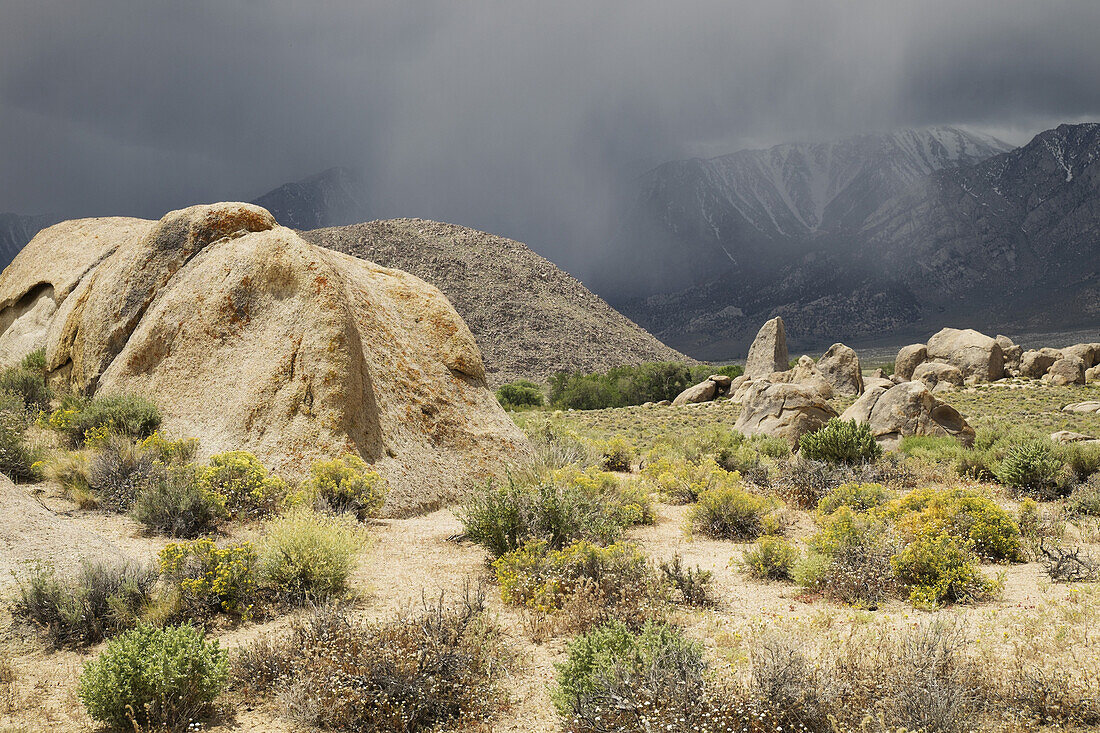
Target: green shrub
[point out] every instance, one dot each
(1082, 459)
(119, 471)
(520, 395)
(693, 584)
(438, 669)
(613, 582)
(122, 414)
(1031, 467)
(154, 677)
(176, 503)
(932, 448)
(100, 600)
(938, 568)
(859, 497)
(770, 446)
(556, 448)
(560, 508)
(616, 455)
(18, 460)
(682, 482)
(208, 579)
(35, 361)
(29, 384)
(170, 452)
(803, 482)
(965, 514)
(1085, 499)
(345, 485)
(242, 483)
(728, 512)
(611, 664)
(308, 556)
(841, 441)
(849, 559)
(771, 558)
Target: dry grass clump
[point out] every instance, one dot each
(436, 668)
(559, 508)
(99, 600)
(729, 512)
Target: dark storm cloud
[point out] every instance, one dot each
(516, 117)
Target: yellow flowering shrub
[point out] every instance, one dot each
(243, 482)
(209, 579)
(344, 485)
(964, 514)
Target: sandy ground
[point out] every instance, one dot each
(407, 561)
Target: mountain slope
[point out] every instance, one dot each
(18, 229)
(1009, 241)
(739, 213)
(531, 319)
(330, 198)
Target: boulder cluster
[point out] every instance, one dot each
(789, 401)
(956, 357)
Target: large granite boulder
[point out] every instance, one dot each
(768, 352)
(937, 376)
(788, 411)
(1088, 353)
(976, 355)
(1036, 362)
(705, 391)
(1067, 370)
(908, 408)
(840, 367)
(250, 338)
(908, 358)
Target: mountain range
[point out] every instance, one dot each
(870, 238)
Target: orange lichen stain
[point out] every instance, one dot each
(320, 282)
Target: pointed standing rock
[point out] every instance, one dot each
(768, 352)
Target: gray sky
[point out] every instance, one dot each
(511, 116)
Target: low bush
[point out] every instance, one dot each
(1082, 459)
(560, 508)
(595, 583)
(520, 395)
(123, 414)
(1031, 467)
(803, 482)
(935, 449)
(436, 669)
(160, 678)
(119, 471)
(100, 600)
(208, 579)
(970, 517)
(176, 502)
(938, 568)
(858, 497)
(610, 673)
(69, 470)
(306, 556)
(682, 482)
(29, 384)
(771, 558)
(556, 448)
(728, 512)
(170, 452)
(242, 483)
(18, 460)
(616, 455)
(345, 485)
(693, 585)
(848, 442)
(1084, 500)
(849, 559)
